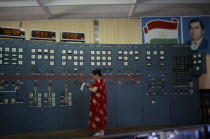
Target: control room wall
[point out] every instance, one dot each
(120, 31)
(204, 80)
(113, 31)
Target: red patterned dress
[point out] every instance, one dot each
(98, 106)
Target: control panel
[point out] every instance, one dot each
(146, 84)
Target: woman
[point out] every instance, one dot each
(98, 104)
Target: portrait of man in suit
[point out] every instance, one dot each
(196, 32)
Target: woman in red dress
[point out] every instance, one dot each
(98, 104)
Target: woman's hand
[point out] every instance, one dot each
(88, 85)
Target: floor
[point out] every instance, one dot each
(85, 133)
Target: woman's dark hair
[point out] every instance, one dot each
(97, 71)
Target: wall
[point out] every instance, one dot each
(120, 31)
(113, 31)
(204, 80)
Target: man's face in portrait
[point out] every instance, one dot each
(196, 32)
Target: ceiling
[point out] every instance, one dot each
(16, 10)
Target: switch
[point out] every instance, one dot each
(136, 52)
(110, 81)
(81, 52)
(162, 63)
(17, 70)
(136, 58)
(98, 52)
(109, 52)
(20, 50)
(13, 83)
(39, 50)
(92, 52)
(63, 58)
(6, 49)
(6, 101)
(33, 63)
(69, 51)
(20, 56)
(69, 72)
(81, 57)
(110, 70)
(69, 57)
(148, 57)
(1, 70)
(104, 70)
(125, 63)
(52, 63)
(131, 52)
(125, 52)
(39, 56)
(45, 51)
(119, 72)
(45, 56)
(75, 52)
(98, 58)
(120, 58)
(98, 63)
(33, 56)
(6, 83)
(162, 52)
(92, 58)
(52, 57)
(14, 49)
(155, 52)
(63, 51)
(103, 52)
(52, 51)
(75, 57)
(75, 71)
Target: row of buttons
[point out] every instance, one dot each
(45, 51)
(100, 52)
(52, 63)
(126, 58)
(99, 58)
(45, 57)
(70, 52)
(100, 63)
(7, 49)
(70, 57)
(130, 52)
(155, 52)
